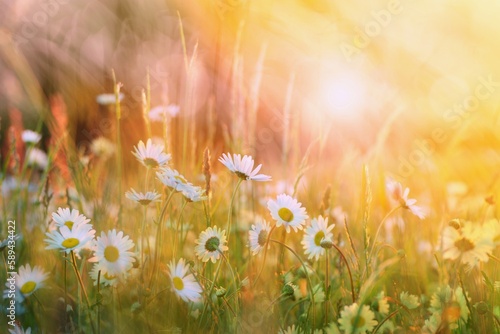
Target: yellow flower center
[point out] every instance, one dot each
(464, 245)
(178, 283)
(111, 253)
(28, 287)
(150, 162)
(241, 175)
(285, 214)
(109, 277)
(357, 322)
(144, 201)
(69, 224)
(70, 243)
(318, 237)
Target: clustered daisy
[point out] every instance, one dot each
(66, 239)
(356, 319)
(27, 281)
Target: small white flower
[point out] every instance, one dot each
(194, 193)
(288, 212)
(143, 199)
(103, 147)
(30, 137)
(37, 158)
(29, 280)
(354, 319)
(108, 99)
(113, 253)
(243, 167)
(397, 195)
(258, 235)
(67, 240)
(313, 236)
(159, 113)
(151, 155)
(68, 217)
(410, 301)
(104, 278)
(468, 243)
(185, 286)
(211, 244)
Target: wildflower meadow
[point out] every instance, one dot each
(249, 167)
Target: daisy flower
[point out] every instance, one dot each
(143, 199)
(159, 113)
(288, 212)
(211, 244)
(30, 137)
(37, 158)
(410, 301)
(68, 240)
(171, 178)
(102, 147)
(105, 278)
(29, 280)
(185, 286)
(243, 167)
(468, 243)
(108, 99)
(113, 252)
(318, 231)
(290, 330)
(451, 304)
(68, 217)
(194, 193)
(20, 330)
(151, 155)
(397, 195)
(258, 235)
(354, 319)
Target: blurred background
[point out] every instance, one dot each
(406, 83)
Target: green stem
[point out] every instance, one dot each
(378, 232)
(209, 295)
(79, 277)
(158, 239)
(230, 212)
(349, 271)
(176, 235)
(309, 283)
(265, 255)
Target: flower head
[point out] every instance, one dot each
(243, 167)
(104, 278)
(288, 212)
(143, 199)
(468, 243)
(315, 233)
(355, 319)
(259, 232)
(30, 137)
(410, 301)
(37, 158)
(69, 217)
(113, 253)
(194, 193)
(29, 280)
(211, 244)
(68, 240)
(171, 178)
(159, 113)
(19, 330)
(398, 196)
(151, 155)
(185, 286)
(102, 147)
